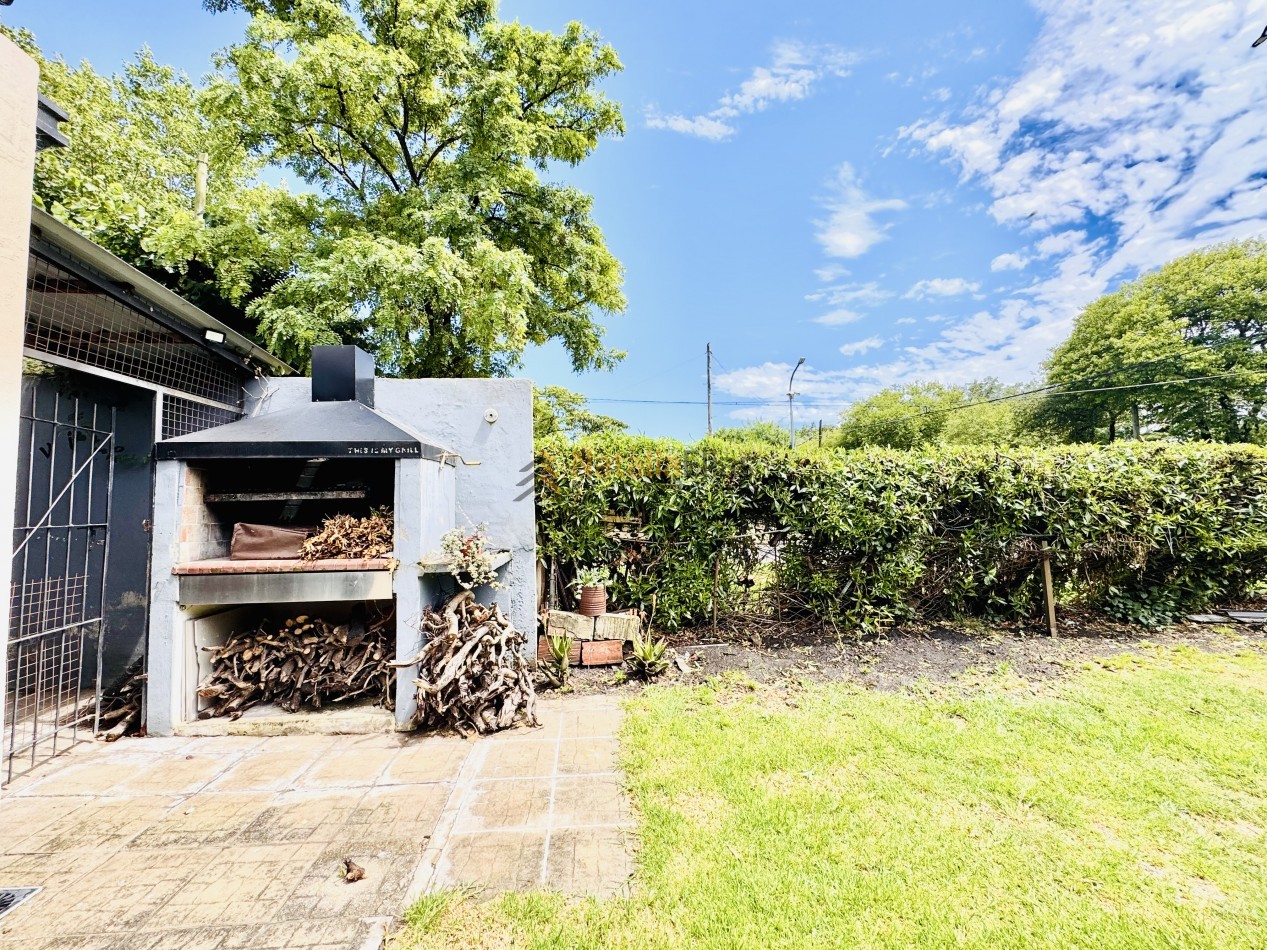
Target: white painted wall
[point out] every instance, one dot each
(19, 84)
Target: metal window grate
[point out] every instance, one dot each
(47, 603)
(67, 316)
(11, 897)
(182, 416)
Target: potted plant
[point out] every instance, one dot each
(592, 583)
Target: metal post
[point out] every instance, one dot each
(1049, 595)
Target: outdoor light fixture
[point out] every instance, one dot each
(791, 421)
(214, 336)
(1261, 40)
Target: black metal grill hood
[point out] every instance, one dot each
(339, 422)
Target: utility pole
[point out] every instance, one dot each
(708, 355)
(1135, 421)
(820, 433)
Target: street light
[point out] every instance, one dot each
(791, 421)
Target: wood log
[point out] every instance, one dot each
(472, 675)
(302, 661)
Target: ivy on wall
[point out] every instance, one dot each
(1145, 531)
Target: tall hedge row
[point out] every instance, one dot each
(1146, 531)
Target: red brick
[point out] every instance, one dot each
(602, 652)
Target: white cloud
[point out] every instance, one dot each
(850, 229)
(838, 318)
(795, 68)
(862, 346)
(831, 272)
(868, 294)
(1133, 134)
(941, 287)
(702, 126)
(1009, 262)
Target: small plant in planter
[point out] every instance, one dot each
(465, 550)
(647, 660)
(592, 584)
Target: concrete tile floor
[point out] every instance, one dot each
(234, 842)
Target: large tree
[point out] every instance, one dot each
(428, 129)
(128, 181)
(1202, 315)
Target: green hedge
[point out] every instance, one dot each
(1146, 531)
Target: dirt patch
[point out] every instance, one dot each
(939, 654)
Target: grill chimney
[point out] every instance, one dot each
(342, 374)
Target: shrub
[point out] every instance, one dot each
(1145, 531)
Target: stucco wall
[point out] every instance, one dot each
(17, 166)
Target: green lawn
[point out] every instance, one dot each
(1125, 806)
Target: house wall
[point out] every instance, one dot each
(18, 105)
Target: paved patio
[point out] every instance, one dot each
(235, 842)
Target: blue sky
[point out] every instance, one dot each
(895, 192)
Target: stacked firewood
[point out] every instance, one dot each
(346, 536)
(302, 661)
(472, 673)
(121, 705)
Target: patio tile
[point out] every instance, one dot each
(589, 861)
(271, 771)
(505, 803)
(590, 800)
(584, 756)
(496, 861)
(519, 760)
(437, 760)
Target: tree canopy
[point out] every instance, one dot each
(1203, 315)
(918, 414)
(127, 181)
(559, 411)
(426, 128)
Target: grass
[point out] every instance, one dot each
(1125, 806)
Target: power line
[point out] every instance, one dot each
(1046, 390)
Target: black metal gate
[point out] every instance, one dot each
(61, 551)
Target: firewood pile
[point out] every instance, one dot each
(121, 705)
(472, 671)
(302, 661)
(346, 536)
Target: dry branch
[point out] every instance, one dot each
(346, 536)
(303, 661)
(121, 705)
(472, 671)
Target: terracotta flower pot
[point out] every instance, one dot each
(593, 602)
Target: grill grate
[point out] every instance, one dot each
(11, 897)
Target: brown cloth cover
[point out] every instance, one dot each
(253, 542)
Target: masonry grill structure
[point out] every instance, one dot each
(305, 456)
